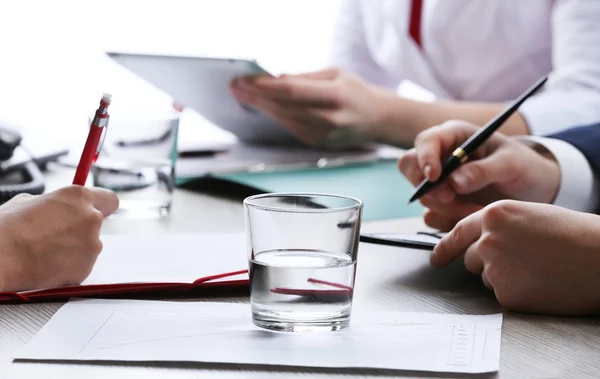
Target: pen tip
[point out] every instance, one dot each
(414, 197)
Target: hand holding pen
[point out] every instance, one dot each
(501, 168)
(462, 153)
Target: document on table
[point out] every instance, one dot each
(245, 158)
(127, 330)
(167, 258)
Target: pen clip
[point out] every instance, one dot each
(102, 138)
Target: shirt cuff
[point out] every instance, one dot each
(579, 184)
(544, 117)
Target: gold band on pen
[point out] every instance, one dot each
(460, 154)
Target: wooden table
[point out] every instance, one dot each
(387, 279)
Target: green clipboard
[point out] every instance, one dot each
(381, 187)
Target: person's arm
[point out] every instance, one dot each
(571, 95)
(349, 48)
(416, 116)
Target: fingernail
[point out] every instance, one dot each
(427, 171)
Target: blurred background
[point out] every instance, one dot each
(53, 68)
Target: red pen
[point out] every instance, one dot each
(94, 141)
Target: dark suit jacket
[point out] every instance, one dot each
(587, 140)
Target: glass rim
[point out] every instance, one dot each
(248, 202)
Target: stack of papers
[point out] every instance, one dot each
(126, 330)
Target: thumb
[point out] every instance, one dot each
(104, 200)
(326, 74)
(474, 176)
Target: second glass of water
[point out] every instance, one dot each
(138, 163)
(302, 252)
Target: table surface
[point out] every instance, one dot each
(387, 279)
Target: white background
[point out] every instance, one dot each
(53, 70)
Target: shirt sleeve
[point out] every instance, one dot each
(579, 184)
(571, 96)
(350, 49)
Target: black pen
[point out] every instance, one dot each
(461, 154)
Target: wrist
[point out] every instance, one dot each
(550, 174)
(546, 175)
(393, 119)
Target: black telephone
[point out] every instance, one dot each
(20, 168)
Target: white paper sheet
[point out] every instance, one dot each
(167, 258)
(125, 330)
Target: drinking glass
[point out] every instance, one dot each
(137, 162)
(302, 252)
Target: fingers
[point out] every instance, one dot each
(456, 210)
(409, 167)
(444, 216)
(327, 74)
(473, 261)
(303, 123)
(438, 221)
(104, 200)
(288, 91)
(435, 144)
(429, 154)
(486, 279)
(456, 243)
(476, 175)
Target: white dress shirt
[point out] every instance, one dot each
(482, 50)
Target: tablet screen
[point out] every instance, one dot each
(202, 84)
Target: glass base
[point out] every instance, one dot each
(141, 210)
(273, 321)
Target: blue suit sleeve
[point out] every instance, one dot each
(587, 140)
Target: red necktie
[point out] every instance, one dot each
(415, 21)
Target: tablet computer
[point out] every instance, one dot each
(202, 84)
